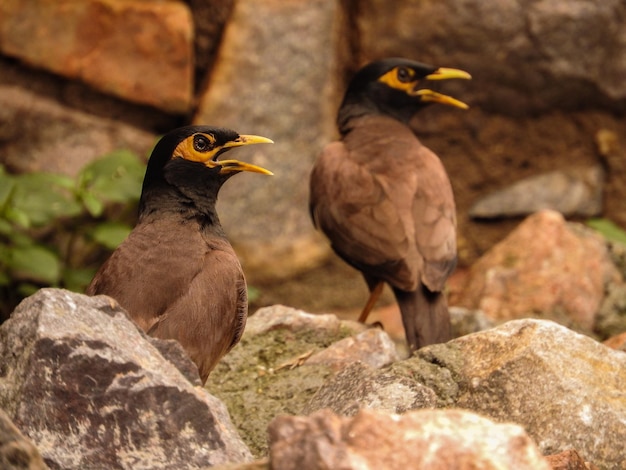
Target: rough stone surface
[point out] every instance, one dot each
(611, 318)
(39, 134)
(465, 321)
(270, 78)
(545, 267)
(295, 320)
(359, 386)
(432, 439)
(610, 146)
(572, 192)
(617, 342)
(568, 460)
(66, 379)
(268, 372)
(16, 450)
(566, 389)
(82, 381)
(142, 51)
(373, 347)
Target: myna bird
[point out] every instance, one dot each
(176, 274)
(385, 201)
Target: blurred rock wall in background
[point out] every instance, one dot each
(548, 96)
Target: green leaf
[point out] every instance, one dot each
(77, 279)
(40, 198)
(5, 227)
(110, 234)
(17, 216)
(7, 183)
(35, 263)
(92, 204)
(253, 293)
(62, 181)
(19, 238)
(116, 177)
(608, 229)
(26, 289)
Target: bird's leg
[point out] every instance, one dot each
(371, 301)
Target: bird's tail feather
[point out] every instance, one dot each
(425, 316)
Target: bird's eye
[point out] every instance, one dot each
(404, 74)
(201, 143)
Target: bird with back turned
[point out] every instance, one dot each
(176, 274)
(385, 201)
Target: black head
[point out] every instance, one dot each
(394, 87)
(186, 162)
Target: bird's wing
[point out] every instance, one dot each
(210, 316)
(390, 214)
(434, 218)
(351, 206)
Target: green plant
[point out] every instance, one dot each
(610, 230)
(56, 230)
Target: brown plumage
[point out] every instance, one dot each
(385, 201)
(176, 274)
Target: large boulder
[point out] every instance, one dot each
(141, 51)
(281, 362)
(92, 391)
(426, 439)
(273, 79)
(545, 267)
(536, 373)
(16, 450)
(564, 388)
(56, 138)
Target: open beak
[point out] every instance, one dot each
(233, 166)
(443, 73)
(434, 97)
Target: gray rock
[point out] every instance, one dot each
(276, 74)
(565, 389)
(56, 138)
(16, 451)
(359, 386)
(373, 347)
(611, 319)
(572, 192)
(465, 321)
(295, 320)
(89, 388)
(268, 373)
(433, 439)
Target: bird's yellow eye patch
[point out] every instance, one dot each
(198, 147)
(400, 78)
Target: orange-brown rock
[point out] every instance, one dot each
(545, 267)
(140, 51)
(433, 439)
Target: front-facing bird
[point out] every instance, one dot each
(385, 201)
(176, 274)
